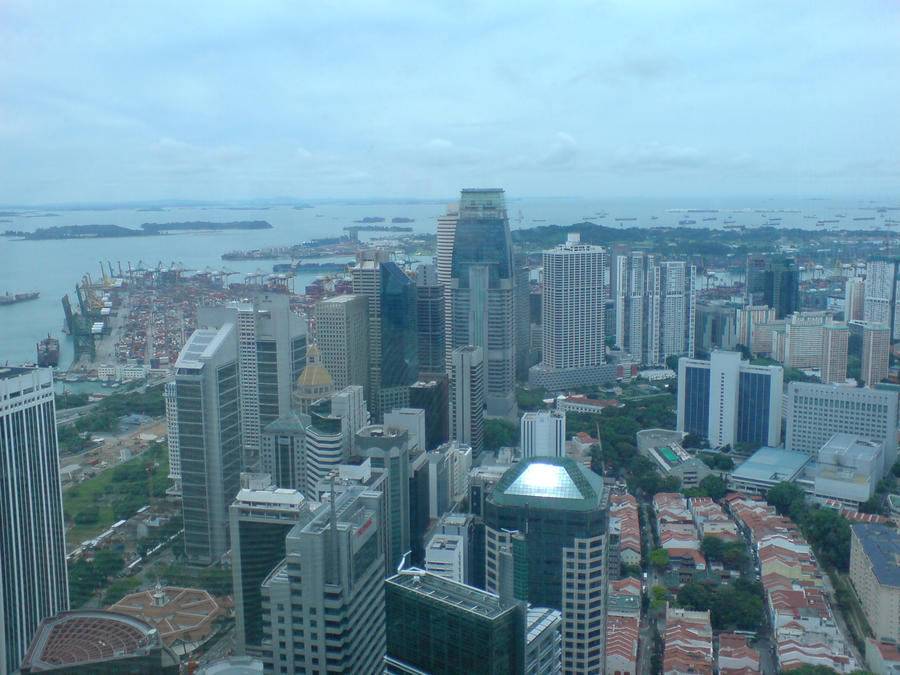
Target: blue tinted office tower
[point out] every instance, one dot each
(482, 292)
(209, 435)
(727, 400)
(433, 396)
(430, 317)
(439, 626)
(282, 453)
(33, 578)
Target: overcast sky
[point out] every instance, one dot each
(116, 101)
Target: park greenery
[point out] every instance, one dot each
(732, 554)
(86, 576)
(734, 606)
(500, 433)
(115, 494)
(215, 580)
(711, 486)
(105, 415)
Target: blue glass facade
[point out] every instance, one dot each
(754, 390)
(696, 400)
(399, 328)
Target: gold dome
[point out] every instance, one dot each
(314, 375)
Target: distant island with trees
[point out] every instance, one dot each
(146, 229)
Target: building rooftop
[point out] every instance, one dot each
(772, 464)
(86, 636)
(882, 546)
(8, 372)
(554, 482)
(202, 345)
(453, 593)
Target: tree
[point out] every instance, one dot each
(697, 597)
(829, 532)
(712, 547)
(119, 589)
(693, 440)
(499, 433)
(712, 486)
(783, 496)
(659, 558)
(108, 562)
(89, 515)
(874, 504)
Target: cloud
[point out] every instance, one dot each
(562, 151)
(656, 156)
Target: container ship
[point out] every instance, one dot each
(10, 299)
(48, 352)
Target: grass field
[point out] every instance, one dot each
(100, 492)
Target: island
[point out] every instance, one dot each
(146, 229)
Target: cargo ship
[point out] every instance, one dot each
(10, 299)
(48, 352)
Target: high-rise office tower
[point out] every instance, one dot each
(430, 317)
(573, 311)
(433, 396)
(729, 401)
(411, 419)
(656, 307)
(483, 295)
(815, 412)
(283, 452)
(388, 449)
(207, 396)
(521, 312)
(271, 353)
(440, 626)
(33, 577)
(261, 517)
(552, 511)
(854, 299)
(835, 338)
(880, 304)
(172, 436)
(342, 337)
(467, 396)
(323, 607)
(773, 282)
(329, 435)
(446, 233)
(314, 383)
(393, 337)
(876, 352)
(543, 434)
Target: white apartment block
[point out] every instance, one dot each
(543, 434)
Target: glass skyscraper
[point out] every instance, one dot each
(482, 293)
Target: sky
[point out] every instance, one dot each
(128, 101)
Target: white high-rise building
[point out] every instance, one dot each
(881, 292)
(445, 556)
(876, 353)
(446, 231)
(172, 436)
(835, 338)
(332, 584)
(413, 420)
(815, 412)
(209, 435)
(467, 397)
(33, 576)
(342, 338)
(543, 434)
(271, 352)
(729, 401)
(656, 304)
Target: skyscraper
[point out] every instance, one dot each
(388, 449)
(543, 434)
(329, 435)
(854, 299)
(283, 455)
(342, 337)
(430, 317)
(446, 233)
(573, 310)
(271, 353)
(33, 577)
(655, 307)
(834, 352)
(876, 352)
(209, 436)
(433, 396)
(261, 517)
(552, 514)
(482, 293)
(880, 304)
(728, 401)
(393, 336)
(323, 607)
(782, 290)
(467, 396)
(440, 626)
(172, 436)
